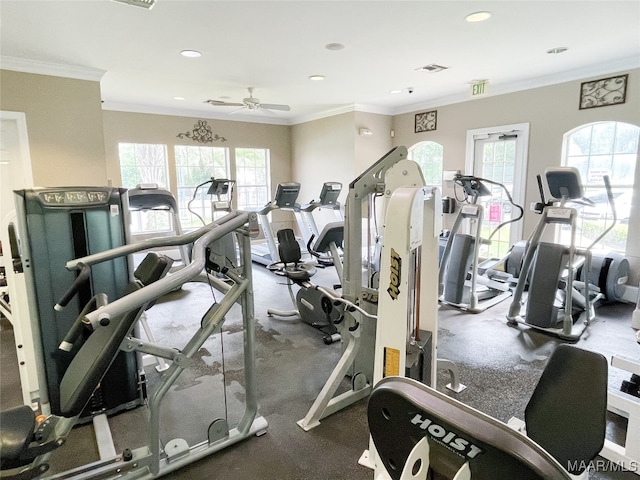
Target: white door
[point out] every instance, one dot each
(15, 161)
(499, 154)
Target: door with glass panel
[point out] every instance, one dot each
(499, 156)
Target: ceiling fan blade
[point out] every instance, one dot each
(220, 103)
(275, 106)
(237, 109)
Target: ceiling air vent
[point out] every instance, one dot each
(432, 68)
(148, 4)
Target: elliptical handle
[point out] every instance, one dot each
(81, 279)
(612, 204)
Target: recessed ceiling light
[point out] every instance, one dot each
(190, 53)
(179, 98)
(316, 78)
(334, 46)
(477, 17)
(395, 91)
(557, 50)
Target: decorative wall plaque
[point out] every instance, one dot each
(202, 133)
(426, 122)
(603, 92)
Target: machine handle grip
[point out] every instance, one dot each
(310, 248)
(80, 280)
(99, 300)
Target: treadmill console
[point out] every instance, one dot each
(287, 194)
(330, 193)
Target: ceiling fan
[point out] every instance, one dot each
(250, 102)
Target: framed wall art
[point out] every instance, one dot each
(426, 122)
(603, 92)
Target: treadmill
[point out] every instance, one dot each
(266, 253)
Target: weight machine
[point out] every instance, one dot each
(557, 303)
(30, 444)
(418, 430)
(460, 282)
(361, 299)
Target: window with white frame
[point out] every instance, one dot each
(252, 177)
(196, 165)
(143, 163)
(429, 156)
(596, 150)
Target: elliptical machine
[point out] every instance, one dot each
(461, 284)
(557, 302)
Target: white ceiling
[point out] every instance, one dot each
(274, 46)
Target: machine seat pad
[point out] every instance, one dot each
(402, 411)
(18, 424)
(299, 273)
(569, 403)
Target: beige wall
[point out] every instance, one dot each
(551, 111)
(64, 124)
(323, 151)
(370, 149)
(331, 150)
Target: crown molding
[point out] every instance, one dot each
(48, 68)
(583, 73)
(177, 112)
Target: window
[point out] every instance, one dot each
(195, 165)
(145, 163)
(429, 156)
(252, 177)
(596, 150)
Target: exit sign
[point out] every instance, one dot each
(480, 88)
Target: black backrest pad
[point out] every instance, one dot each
(566, 414)
(288, 246)
(402, 411)
(93, 360)
(97, 353)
